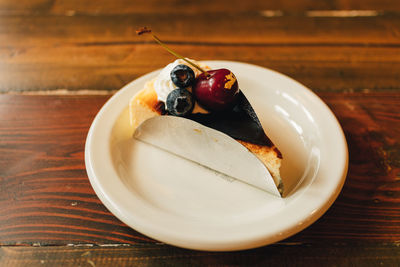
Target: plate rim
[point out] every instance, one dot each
(248, 243)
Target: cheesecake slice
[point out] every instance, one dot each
(241, 124)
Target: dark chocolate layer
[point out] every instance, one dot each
(240, 123)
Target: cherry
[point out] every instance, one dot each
(216, 91)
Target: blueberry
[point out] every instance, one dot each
(182, 76)
(180, 102)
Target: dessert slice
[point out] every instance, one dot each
(239, 122)
(205, 110)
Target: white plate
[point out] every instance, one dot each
(180, 203)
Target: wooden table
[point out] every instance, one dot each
(61, 60)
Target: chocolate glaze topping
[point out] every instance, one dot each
(240, 123)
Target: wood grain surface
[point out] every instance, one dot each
(160, 255)
(46, 197)
(326, 52)
(69, 7)
(322, 68)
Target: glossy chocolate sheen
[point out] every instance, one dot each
(240, 123)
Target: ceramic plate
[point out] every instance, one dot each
(181, 203)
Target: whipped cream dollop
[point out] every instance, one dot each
(163, 84)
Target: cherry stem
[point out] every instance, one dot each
(178, 55)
